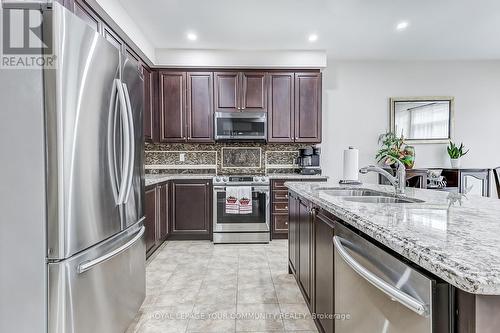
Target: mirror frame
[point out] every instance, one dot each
(450, 99)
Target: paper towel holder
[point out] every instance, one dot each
(349, 181)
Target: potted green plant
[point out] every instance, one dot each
(394, 148)
(456, 152)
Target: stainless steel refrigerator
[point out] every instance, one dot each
(72, 236)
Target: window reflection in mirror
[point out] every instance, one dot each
(422, 119)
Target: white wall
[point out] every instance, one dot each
(356, 108)
(240, 58)
(116, 11)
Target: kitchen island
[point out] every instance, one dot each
(452, 237)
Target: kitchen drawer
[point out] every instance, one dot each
(279, 195)
(279, 184)
(280, 223)
(280, 207)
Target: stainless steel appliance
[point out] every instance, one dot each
(309, 161)
(75, 215)
(247, 228)
(377, 292)
(233, 126)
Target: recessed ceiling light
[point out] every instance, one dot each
(313, 37)
(402, 25)
(192, 36)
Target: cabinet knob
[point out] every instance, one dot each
(286, 223)
(286, 196)
(286, 207)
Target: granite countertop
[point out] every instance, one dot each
(151, 179)
(455, 237)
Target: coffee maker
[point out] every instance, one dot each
(308, 161)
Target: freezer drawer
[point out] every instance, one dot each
(101, 289)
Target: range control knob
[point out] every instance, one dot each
(217, 179)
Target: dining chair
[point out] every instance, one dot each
(496, 173)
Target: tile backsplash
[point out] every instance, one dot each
(221, 158)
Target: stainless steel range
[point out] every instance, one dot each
(252, 227)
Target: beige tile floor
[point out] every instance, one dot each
(196, 286)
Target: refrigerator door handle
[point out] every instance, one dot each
(113, 105)
(132, 144)
(86, 265)
(126, 143)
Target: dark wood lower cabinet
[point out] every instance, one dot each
(305, 242)
(191, 209)
(151, 217)
(323, 272)
(163, 216)
(310, 258)
(293, 233)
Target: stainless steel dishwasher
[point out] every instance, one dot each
(377, 292)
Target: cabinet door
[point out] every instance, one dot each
(149, 117)
(113, 38)
(191, 209)
(163, 213)
(308, 107)
(305, 238)
(200, 115)
(293, 232)
(323, 267)
(227, 91)
(151, 214)
(83, 11)
(280, 118)
(172, 107)
(253, 91)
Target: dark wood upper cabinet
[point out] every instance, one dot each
(130, 53)
(308, 107)
(199, 107)
(151, 217)
(149, 114)
(253, 91)
(112, 37)
(191, 209)
(227, 91)
(172, 90)
(280, 118)
(241, 91)
(83, 11)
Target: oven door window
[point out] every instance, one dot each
(240, 127)
(258, 214)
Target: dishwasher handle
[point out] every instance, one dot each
(396, 294)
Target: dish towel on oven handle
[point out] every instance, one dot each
(245, 199)
(232, 202)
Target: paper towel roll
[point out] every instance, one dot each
(351, 167)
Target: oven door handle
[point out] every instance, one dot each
(259, 189)
(394, 293)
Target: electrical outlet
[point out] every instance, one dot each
(182, 157)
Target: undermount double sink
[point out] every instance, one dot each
(364, 195)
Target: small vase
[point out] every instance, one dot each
(455, 163)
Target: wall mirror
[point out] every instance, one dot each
(423, 119)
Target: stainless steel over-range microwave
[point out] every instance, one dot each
(234, 126)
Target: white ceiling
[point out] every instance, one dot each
(347, 29)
